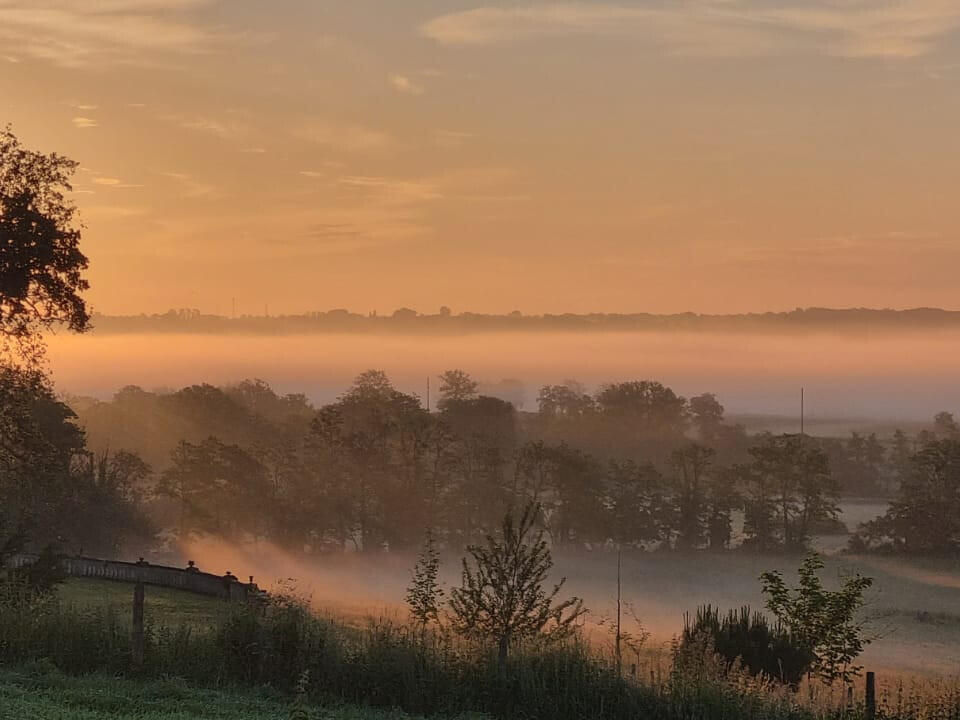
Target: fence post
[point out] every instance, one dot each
(137, 639)
(871, 709)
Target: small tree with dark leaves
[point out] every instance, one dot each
(424, 594)
(502, 596)
(824, 621)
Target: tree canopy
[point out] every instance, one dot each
(41, 265)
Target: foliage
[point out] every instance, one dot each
(502, 597)
(372, 469)
(822, 621)
(424, 595)
(43, 574)
(383, 665)
(456, 386)
(925, 517)
(748, 638)
(41, 266)
(789, 488)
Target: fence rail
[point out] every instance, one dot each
(189, 579)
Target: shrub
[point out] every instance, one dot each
(748, 637)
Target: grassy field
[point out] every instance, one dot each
(37, 692)
(165, 606)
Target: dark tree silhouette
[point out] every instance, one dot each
(41, 266)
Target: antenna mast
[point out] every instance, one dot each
(801, 411)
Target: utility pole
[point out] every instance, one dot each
(617, 643)
(801, 412)
(428, 393)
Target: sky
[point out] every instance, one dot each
(645, 155)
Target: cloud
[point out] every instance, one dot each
(393, 191)
(113, 182)
(191, 187)
(346, 138)
(82, 32)
(84, 122)
(846, 28)
(403, 84)
(219, 128)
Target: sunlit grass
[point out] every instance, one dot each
(164, 606)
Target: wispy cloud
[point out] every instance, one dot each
(847, 28)
(226, 130)
(190, 186)
(84, 122)
(347, 138)
(391, 190)
(82, 32)
(403, 84)
(113, 182)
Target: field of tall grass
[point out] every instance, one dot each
(387, 664)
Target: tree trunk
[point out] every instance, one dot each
(504, 649)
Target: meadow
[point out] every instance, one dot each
(68, 658)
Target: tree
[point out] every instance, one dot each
(456, 386)
(502, 596)
(707, 415)
(925, 517)
(642, 417)
(487, 435)
(691, 465)
(41, 266)
(639, 513)
(39, 442)
(789, 489)
(945, 425)
(424, 593)
(220, 489)
(722, 499)
(563, 401)
(824, 621)
(106, 504)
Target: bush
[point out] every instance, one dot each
(746, 636)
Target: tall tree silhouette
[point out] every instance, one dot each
(41, 266)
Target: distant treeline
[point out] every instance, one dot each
(633, 464)
(405, 320)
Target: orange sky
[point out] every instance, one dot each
(662, 155)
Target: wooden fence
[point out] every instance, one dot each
(189, 579)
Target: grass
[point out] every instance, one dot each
(39, 692)
(382, 664)
(165, 606)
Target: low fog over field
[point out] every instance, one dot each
(914, 613)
